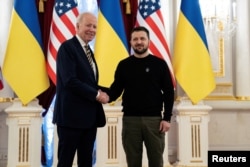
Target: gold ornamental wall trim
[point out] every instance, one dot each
(6, 99)
(243, 98)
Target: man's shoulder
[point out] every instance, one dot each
(70, 41)
(125, 60)
(157, 58)
(158, 61)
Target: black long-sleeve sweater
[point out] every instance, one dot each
(146, 85)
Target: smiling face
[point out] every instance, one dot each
(86, 27)
(140, 43)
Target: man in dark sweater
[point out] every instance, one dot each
(147, 100)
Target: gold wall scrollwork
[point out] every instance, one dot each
(220, 25)
(219, 71)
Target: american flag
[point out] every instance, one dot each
(62, 28)
(149, 15)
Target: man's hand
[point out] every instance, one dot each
(102, 97)
(164, 126)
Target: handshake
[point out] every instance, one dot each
(102, 97)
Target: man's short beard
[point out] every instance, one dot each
(139, 52)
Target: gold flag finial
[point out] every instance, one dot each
(41, 6)
(128, 8)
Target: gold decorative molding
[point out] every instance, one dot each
(220, 98)
(41, 6)
(112, 144)
(243, 98)
(224, 84)
(23, 156)
(128, 6)
(195, 135)
(221, 51)
(196, 161)
(27, 114)
(6, 99)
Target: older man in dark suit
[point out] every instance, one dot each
(78, 107)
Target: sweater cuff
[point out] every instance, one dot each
(168, 119)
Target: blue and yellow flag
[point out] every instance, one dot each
(191, 60)
(111, 43)
(24, 63)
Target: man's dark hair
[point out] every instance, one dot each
(140, 28)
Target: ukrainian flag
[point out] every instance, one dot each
(111, 43)
(24, 62)
(191, 60)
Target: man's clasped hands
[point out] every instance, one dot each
(102, 97)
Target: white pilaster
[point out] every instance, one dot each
(192, 134)
(109, 152)
(24, 138)
(242, 50)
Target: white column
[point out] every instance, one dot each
(109, 150)
(24, 138)
(192, 122)
(242, 50)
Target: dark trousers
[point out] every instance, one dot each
(139, 130)
(72, 140)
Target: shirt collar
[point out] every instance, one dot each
(80, 40)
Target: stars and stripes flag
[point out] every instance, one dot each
(62, 28)
(149, 15)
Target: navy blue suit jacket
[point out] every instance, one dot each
(76, 90)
